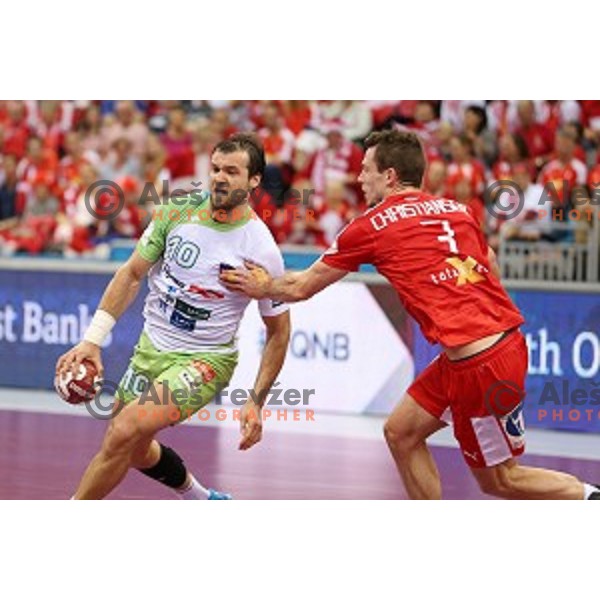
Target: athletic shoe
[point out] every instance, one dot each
(214, 495)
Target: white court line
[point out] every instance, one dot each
(539, 442)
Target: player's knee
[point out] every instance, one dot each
(123, 435)
(400, 439)
(390, 433)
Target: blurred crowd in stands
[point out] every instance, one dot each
(51, 152)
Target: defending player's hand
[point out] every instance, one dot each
(71, 360)
(254, 281)
(250, 425)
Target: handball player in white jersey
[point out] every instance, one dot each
(187, 351)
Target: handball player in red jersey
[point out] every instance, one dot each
(434, 254)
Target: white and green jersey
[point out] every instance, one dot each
(187, 308)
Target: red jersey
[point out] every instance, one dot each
(562, 178)
(502, 169)
(279, 145)
(594, 178)
(539, 139)
(330, 164)
(298, 117)
(476, 207)
(15, 139)
(471, 170)
(69, 169)
(434, 254)
(591, 113)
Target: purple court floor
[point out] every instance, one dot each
(42, 456)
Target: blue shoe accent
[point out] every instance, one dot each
(214, 495)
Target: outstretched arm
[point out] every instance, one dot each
(292, 287)
(278, 337)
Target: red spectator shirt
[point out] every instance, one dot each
(52, 137)
(591, 113)
(180, 155)
(594, 178)
(69, 170)
(563, 178)
(434, 254)
(280, 144)
(539, 139)
(471, 170)
(502, 169)
(335, 164)
(15, 139)
(28, 171)
(505, 171)
(297, 119)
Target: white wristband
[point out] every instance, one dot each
(99, 328)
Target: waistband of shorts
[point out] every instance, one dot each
(483, 355)
(223, 351)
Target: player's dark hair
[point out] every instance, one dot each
(401, 151)
(251, 145)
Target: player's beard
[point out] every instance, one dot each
(222, 199)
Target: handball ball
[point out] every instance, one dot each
(81, 388)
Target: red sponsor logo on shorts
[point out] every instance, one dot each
(205, 370)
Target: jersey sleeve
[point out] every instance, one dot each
(354, 246)
(268, 256)
(152, 242)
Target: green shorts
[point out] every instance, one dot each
(193, 379)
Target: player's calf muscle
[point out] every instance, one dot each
(513, 481)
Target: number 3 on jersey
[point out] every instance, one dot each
(449, 236)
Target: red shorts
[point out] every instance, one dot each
(483, 398)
